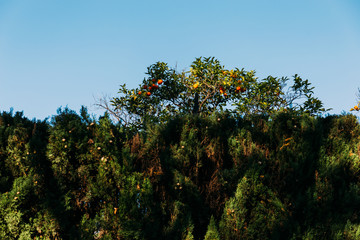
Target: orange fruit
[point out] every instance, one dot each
(238, 88)
(148, 93)
(160, 81)
(144, 87)
(139, 93)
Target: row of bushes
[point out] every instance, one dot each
(287, 176)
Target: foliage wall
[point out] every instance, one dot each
(288, 176)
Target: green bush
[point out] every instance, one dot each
(283, 176)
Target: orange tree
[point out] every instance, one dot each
(209, 87)
(357, 107)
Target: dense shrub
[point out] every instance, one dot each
(284, 176)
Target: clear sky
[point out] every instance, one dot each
(68, 53)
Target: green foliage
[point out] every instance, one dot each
(352, 231)
(288, 175)
(254, 212)
(125, 204)
(212, 232)
(209, 88)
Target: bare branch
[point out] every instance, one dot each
(104, 103)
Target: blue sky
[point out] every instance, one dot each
(68, 53)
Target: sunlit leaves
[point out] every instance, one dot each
(209, 87)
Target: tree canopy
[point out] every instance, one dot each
(217, 177)
(209, 87)
(208, 153)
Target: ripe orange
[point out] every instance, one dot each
(148, 93)
(154, 86)
(160, 81)
(238, 88)
(356, 108)
(139, 93)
